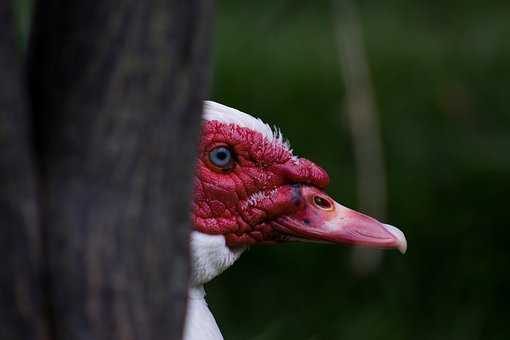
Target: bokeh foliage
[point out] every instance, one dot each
(441, 72)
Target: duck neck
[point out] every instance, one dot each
(210, 256)
(200, 323)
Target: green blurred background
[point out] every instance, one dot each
(440, 72)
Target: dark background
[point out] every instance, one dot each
(440, 72)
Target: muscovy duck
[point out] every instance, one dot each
(251, 189)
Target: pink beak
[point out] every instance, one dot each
(323, 219)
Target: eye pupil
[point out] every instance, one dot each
(221, 157)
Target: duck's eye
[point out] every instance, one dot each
(221, 157)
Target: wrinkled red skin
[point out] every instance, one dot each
(221, 202)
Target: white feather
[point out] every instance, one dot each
(200, 323)
(228, 115)
(259, 196)
(210, 256)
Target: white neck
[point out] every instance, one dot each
(210, 256)
(200, 323)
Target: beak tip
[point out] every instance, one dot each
(399, 236)
(402, 249)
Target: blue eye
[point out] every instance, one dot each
(221, 157)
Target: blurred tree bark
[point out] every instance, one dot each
(116, 91)
(21, 307)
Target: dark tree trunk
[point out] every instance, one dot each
(21, 311)
(117, 90)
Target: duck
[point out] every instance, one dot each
(251, 189)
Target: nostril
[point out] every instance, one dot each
(322, 203)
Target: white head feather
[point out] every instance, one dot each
(228, 115)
